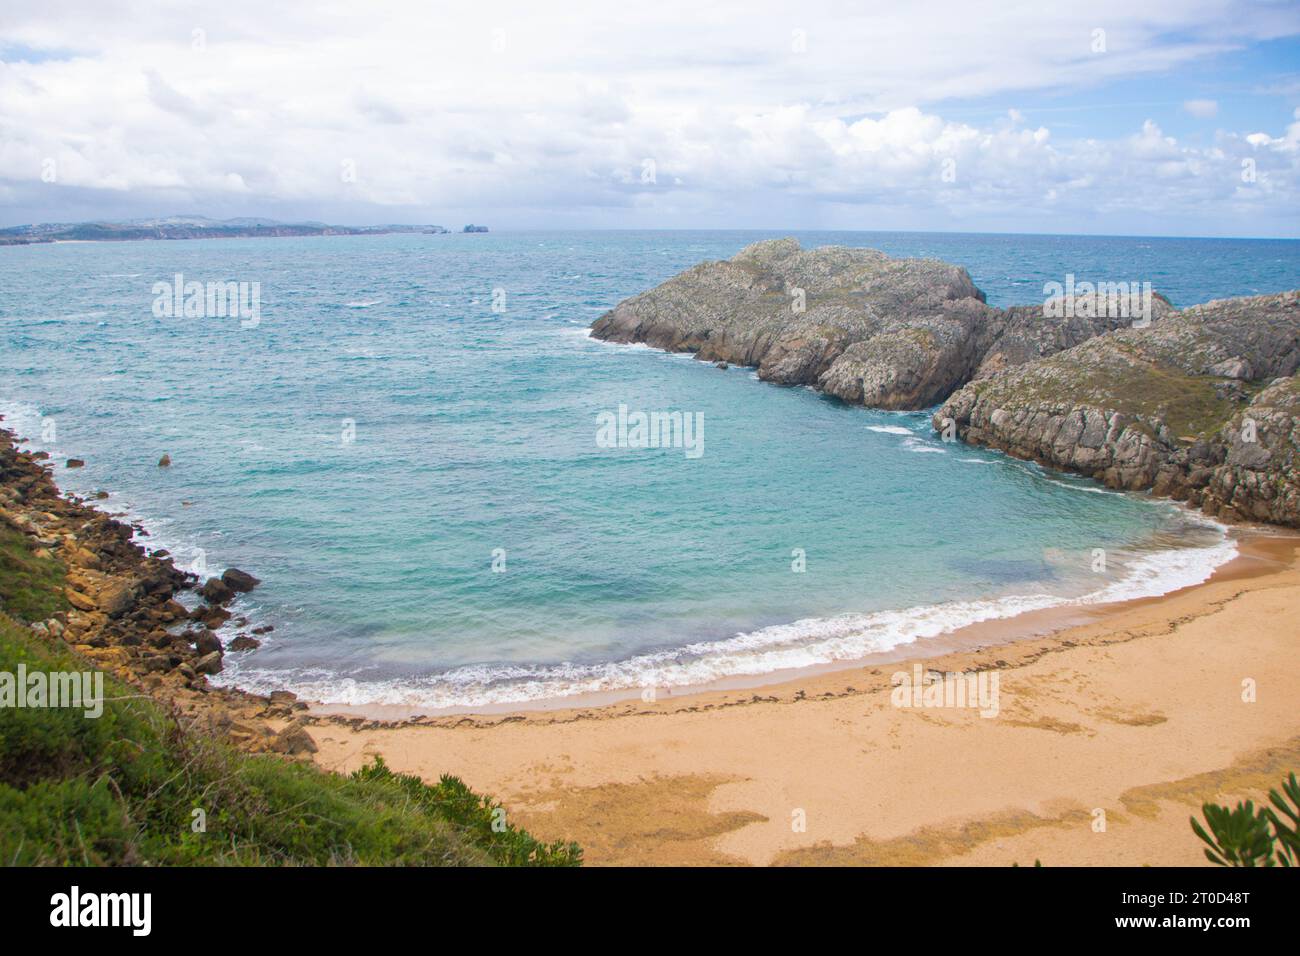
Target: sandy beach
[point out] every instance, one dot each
(1109, 733)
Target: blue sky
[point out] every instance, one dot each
(1256, 87)
(937, 114)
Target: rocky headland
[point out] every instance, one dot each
(1198, 404)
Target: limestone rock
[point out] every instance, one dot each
(1161, 408)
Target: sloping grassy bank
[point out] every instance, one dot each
(136, 786)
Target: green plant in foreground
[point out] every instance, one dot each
(123, 789)
(483, 818)
(1246, 837)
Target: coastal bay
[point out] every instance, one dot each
(672, 684)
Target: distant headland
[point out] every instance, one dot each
(195, 227)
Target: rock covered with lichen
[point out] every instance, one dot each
(855, 323)
(1200, 405)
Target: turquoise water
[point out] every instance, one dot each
(475, 436)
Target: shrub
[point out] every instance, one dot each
(1246, 837)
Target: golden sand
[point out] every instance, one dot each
(1109, 734)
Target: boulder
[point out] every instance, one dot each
(207, 643)
(115, 599)
(238, 580)
(80, 601)
(208, 663)
(293, 740)
(210, 615)
(216, 591)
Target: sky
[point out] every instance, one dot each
(1106, 117)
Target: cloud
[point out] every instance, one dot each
(810, 116)
(1201, 109)
(166, 97)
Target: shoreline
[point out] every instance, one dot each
(1137, 713)
(996, 629)
(1261, 551)
(134, 614)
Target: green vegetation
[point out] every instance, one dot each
(483, 818)
(1244, 836)
(135, 787)
(31, 587)
(1187, 404)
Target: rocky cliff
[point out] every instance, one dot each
(1201, 406)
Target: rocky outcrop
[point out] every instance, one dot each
(893, 333)
(854, 323)
(1200, 406)
(1029, 332)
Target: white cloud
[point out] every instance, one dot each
(1201, 109)
(544, 117)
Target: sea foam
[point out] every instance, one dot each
(803, 643)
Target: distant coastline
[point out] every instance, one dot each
(198, 227)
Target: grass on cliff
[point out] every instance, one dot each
(1187, 404)
(31, 587)
(123, 788)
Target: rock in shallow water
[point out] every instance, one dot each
(238, 580)
(208, 663)
(216, 591)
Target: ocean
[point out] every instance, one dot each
(404, 447)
